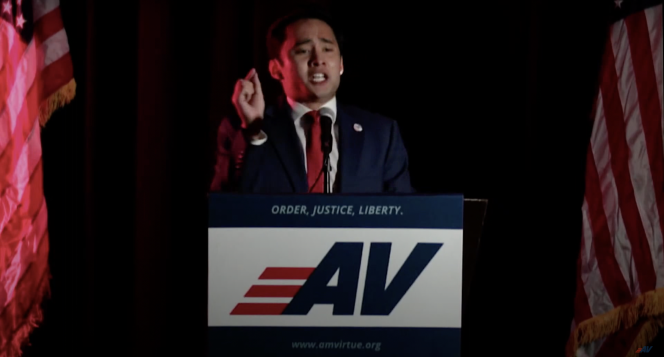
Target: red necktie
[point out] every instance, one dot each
(314, 154)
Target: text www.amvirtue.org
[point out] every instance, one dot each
(338, 345)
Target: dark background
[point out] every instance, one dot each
(493, 99)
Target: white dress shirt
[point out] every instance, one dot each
(298, 110)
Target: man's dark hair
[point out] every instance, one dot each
(276, 35)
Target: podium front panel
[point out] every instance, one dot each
(323, 275)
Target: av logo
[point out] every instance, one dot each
(378, 299)
(645, 349)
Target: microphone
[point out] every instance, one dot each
(326, 134)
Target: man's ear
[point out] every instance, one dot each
(341, 66)
(275, 69)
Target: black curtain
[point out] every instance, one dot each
(493, 100)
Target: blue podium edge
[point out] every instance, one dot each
(228, 210)
(288, 341)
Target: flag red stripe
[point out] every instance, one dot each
(25, 122)
(287, 273)
(612, 277)
(56, 75)
(258, 309)
(649, 105)
(28, 207)
(582, 311)
(10, 67)
(48, 25)
(31, 102)
(615, 124)
(276, 291)
(32, 194)
(26, 292)
(30, 237)
(620, 343)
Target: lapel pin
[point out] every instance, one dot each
(357, 127)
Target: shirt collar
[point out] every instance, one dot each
(298, 110)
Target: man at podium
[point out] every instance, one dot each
(308, 142)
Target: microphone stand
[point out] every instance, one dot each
(326, 172)
(326, 147)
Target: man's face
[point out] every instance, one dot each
(310, 63)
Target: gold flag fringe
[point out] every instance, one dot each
(63, 96)
(648, 332)
(648, 305)
(20, 338)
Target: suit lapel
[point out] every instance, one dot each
(282, 136)
(350, 147)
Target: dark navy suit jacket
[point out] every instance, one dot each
(373, 160)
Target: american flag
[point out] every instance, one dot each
(619, 302)
(36, 77)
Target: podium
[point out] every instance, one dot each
(335, 275)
